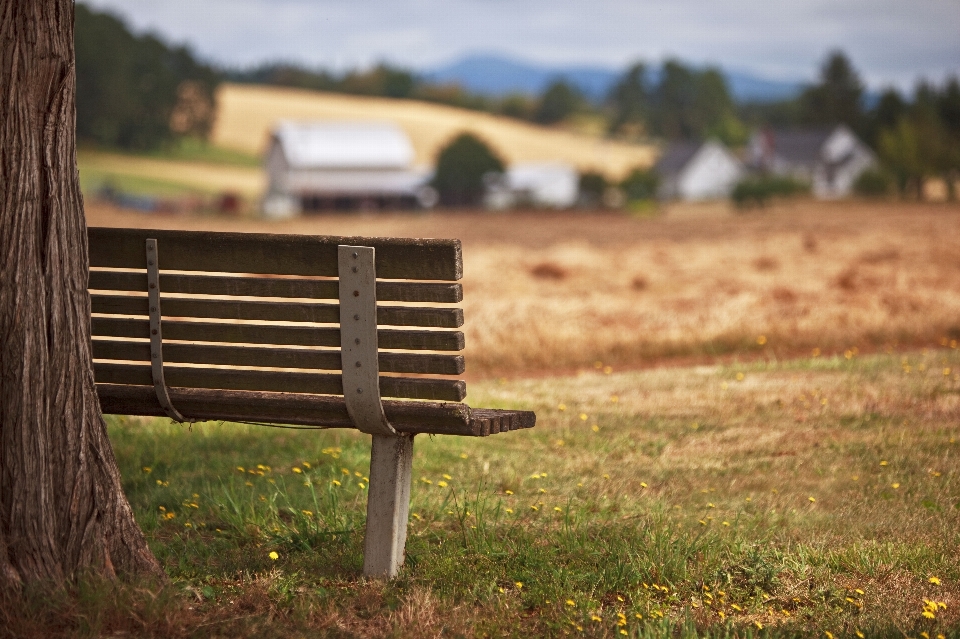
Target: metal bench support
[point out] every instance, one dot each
(391, 454)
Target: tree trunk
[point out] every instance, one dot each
(62, 508)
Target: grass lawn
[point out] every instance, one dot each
(813, 497)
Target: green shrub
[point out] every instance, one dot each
(640, 184)
(461, 166)
(760, 190)
(873, 183)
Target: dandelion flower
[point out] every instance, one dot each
(928, 614)
(335, 482)
(534, 508)
(643, 484)
(425, 480)
(446, 476)
(828, 634)
(811, 499)
(345, 471)
(895, 485)
(273, 555)
(934, 580)
(859, 634)
(561, 407)
(241, 469)
(623, 632)
(571, 602)
(740, 377)
(518, 584)
(147, 470)
(362, 486)
(307, 513)
(508, 492)
(726, 523)
(296, 470)
(509, 511)
(595, 428)
(306, 464)
(558, 509)
(463, 455)
(442, 484)
(416, 516)
(710, 505)
(758, 625)
(883, 462)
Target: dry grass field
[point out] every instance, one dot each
(554, 292)
(246, 114)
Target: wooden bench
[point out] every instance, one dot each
(288, 329)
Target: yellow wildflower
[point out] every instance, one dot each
(446, 476)
(518, 584)
(811, 499)
(571, 602)
(934, 580)
(296, 470)
(273, 555)
(762, 340)
(442, 484)
(307, 513)
(335, 482)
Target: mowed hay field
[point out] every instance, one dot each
(551, 292)
(246, 114)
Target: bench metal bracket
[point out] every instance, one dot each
(358, 340)
(156, 336)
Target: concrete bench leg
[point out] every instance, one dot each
(388, 505)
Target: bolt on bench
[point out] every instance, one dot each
(234, 329)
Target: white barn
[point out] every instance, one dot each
(339, 165)
(698, 171)
(831, 160)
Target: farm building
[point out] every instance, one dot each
(549, 185)
(336, 165)
(831, 160)
(698, 171)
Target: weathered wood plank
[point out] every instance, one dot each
(397, 258)
(276, 381)
(139, 351)
(440, 293)
(410, 340)
(272, 311)
(305, 410)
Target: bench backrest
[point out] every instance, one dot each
(260, 312)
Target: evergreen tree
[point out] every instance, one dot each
(462, 166)
(837, 97)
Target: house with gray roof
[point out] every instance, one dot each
(339, 165)
(830, 160)
(697, 171)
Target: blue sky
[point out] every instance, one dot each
(889, 41)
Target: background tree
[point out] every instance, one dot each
(62, 508)
(629, 100)
(129, 87)
(836, 99)
(559, 101)
(461, 168)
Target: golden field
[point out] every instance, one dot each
(246, 114)
(556, 292)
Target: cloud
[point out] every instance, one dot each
(890, 41)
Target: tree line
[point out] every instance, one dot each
(138, 92)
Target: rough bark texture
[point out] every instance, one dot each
(62, 509)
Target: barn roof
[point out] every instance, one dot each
(344, 145)
(676, 157)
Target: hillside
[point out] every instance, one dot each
(246, 114)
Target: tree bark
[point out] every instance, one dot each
(62, 508)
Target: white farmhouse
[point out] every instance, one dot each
(552, 185)
(831, 160)
(698, 171)
(339, 165)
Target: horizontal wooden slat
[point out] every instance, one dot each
(437, 292)
(422, 363)
(396, 258)
(309, 410)
(273, 311)
(281, 382)
(408, 340)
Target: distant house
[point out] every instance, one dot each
(698, 171)
(548, 184)
(831, 160)
(314, 166)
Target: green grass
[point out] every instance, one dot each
(767, 499)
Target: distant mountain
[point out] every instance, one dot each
(498, 76)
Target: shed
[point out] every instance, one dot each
(698, 171)
(831, 160)
(342, 165)
(546, 184)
